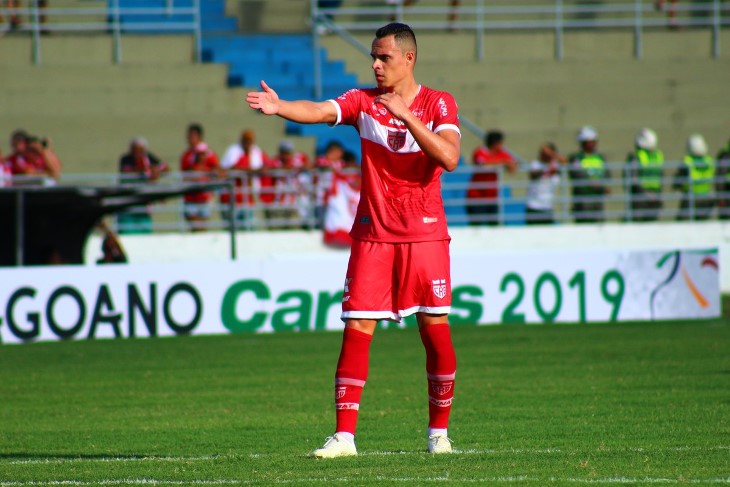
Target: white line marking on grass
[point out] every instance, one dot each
(539, 451)
(112, 459)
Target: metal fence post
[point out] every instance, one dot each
(559, 30)
(197, 31)
(316, 64)
(716, 23)
(19, 228)
(117, 29)
(638, 22)
(480, 30)
(36, 34)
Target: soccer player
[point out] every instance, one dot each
(399, 262)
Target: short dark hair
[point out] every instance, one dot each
(402, 32)
(493, 137)
(196, 127)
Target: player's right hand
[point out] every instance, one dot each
(266, 101)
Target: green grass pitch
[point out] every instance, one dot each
(632, 404)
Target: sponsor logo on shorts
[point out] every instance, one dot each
(365, 220)
(439, 288)
(430, 219)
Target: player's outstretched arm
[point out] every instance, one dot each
(268, 102)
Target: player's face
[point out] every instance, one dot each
(390, 64)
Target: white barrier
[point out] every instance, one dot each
(215, 246)
(301, 290)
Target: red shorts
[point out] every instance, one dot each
(388, 281)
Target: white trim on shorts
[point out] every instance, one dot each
(435, 310)
(370, 315)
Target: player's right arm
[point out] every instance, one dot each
(301, 111)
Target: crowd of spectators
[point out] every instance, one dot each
(290, 189)
(703, 181)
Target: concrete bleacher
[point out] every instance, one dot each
(677, 87)
(90, 107)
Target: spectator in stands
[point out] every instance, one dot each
(341, 200)
(246, 142)
(453, 14)
(695, 179)
(138, 166)
(589, 177)
(722, 186)
(669, 6)
(544, 178)
(200, 162)
(13, 17)
(325, 164)
(244, 172)
(291, 187)
(645, 172)
(6, 173)
(483, 194)
(111, 248)
(33, 156)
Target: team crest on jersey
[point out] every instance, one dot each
(439, 288)
(396, 140)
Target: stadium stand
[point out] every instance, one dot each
(90, 106)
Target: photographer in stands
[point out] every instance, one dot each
(33, 156)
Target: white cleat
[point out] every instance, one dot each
(336, 446)
(439, 443)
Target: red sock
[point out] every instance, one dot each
(352, 372)
(440, 371)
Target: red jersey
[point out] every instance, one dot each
(188, 162)
(400, 197)
(253, 185)
(488, 181)
(26, 164)
(286, 186)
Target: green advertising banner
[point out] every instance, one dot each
(304, 292)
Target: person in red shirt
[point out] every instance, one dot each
(33, 156)
(200, 161)
(289, 185)
(340, 203)
(325, 165)
(244, 171)
(483, 193)
(399, 260)
(138, 166)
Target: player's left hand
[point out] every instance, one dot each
(394, 103)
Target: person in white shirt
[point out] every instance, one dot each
(544, 178)
(245, 145)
